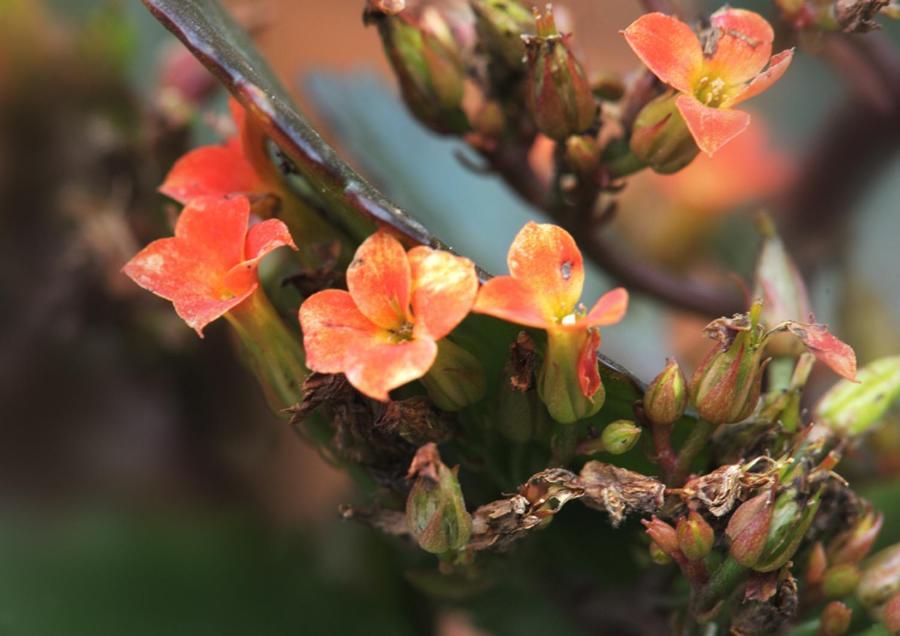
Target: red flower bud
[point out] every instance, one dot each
(695, 536)
(818, 563)
(853, 545)
(664, 536)
(748, 528)
(835, 619)
(880, 578)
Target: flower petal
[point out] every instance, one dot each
(546, 259)
(588, 371)
(379, 280)
(743, 47)
(837, 354)
(444, 287)
(511, 300)
(333, 325)
(266, 236)
(711, 128)
(198, 310)
(777, 67)
(211, 171)
(668, 47)
(215, 227)
(379, 367)
(609, 309)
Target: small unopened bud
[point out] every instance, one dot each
(890, 614)
(818, 563)
(664, 536)
(840, 580)
(658, 555)
(695, 536)
(779, 284)
(620, 436)
(426, 60)
(558, 92)
(456, 379)
(726, 386)
(582, 153)
(666, 397)
(880, 578)
(748, 528)
(660, 138)
(500, 25)
(435, 509)
(835, 619)
(852, 408)
(853, 545)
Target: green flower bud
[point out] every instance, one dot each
(500, 25)
(726, 386)
(558, 93)
(660, 138)
(561, 377)
(779, 284)
(880, 578)
(666, 397)
(840, 580)
(658, 555)
(435, 509)
(456, 379)
(835, 619)
(695, 536)
(852, 408)
(748, 528)
(427, 63)
(620, 436)
(791, 518)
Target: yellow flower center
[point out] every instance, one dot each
(403, 333)
(710, 90)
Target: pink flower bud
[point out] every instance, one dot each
(835, 619)
(748, 528)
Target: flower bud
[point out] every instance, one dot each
(582, 153)
(561, 379)
(840, 580)
(835, 619)
(880, 578)
(748, 528)
(660, 138)
(779, 284)
(791, 518)
(890, 614)
(726, 386)
(425, 58)
(663, 536)
(435, 509)
(456, 379)
(818, 563)
(658, 555)
(666, 397)
(558, 92)
(853, 545)
(620, 436)
(852, 408)
(695, 536)
(500, 25)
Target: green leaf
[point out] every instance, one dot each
(852, 408)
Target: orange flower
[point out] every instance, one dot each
(739, 67)
(219, 170)
(209, 267)
(544, 291)
(383, 333)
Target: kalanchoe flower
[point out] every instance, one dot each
(543, 291)
(383, 333)
(236, 167)
(734, 64)
(558, 92)
(209, 267)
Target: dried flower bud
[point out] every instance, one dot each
(880, 578)
(852, 408)
(666, 397)
(664, 536)
(858, 16)
(835, 619)
(791, 518)
(890, 614)
(558, 92)
(426, 60)
(660, 138)
(840, 580)
(779, 284)
(620, 436)
(748, 528)
(435, 509)
(500, 25)
(456, 379)
(726, 386)
(521, 414)
(695, 536)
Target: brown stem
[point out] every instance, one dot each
(665, 455)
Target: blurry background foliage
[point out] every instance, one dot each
(144, 488)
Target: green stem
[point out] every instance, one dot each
(781, 370)
(723, 582)
(692, 446)
(271, 350)
(624, 165)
